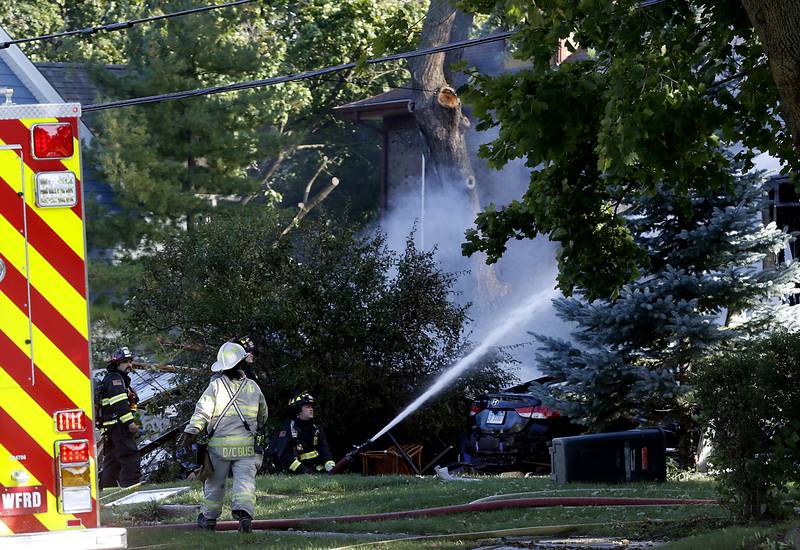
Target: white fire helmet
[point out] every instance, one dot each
(229, 355)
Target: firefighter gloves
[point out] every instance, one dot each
(186, 440)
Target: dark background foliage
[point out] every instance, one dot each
(364, 329)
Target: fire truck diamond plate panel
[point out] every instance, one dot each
(8, 112)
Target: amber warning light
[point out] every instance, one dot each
(53, 141)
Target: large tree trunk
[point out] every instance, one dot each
(777, 23)
(437, 108)
(439, 116)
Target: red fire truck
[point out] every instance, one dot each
(48, 475)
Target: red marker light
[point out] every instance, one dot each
(70, 421)
(52, 141)
(73, 452)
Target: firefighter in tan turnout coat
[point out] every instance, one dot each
(232, 409)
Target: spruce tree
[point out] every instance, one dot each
(704, 287)
(165, 160)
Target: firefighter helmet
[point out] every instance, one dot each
(247, 344)
(120, 356)
(229, 355)
(297, 402)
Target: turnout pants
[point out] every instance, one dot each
(243, 494)
(120, 458)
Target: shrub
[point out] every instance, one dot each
(332, 312)
(750, 399)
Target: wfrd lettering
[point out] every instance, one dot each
(20, 501)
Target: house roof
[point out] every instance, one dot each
(74, 83)
(73, 80)
(64, 83)
(489, 58)
(394, 102)
(28, 83)
(17, 72)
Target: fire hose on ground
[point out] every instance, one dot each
(542, 502)
(537, 531)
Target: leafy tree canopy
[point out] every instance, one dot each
(635, 356)
(365, 330)
(167, 161)
(29, 18)
(660, 90)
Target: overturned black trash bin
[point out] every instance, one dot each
(616, 457)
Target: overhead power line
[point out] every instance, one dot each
(293, 77)
(648, 3)
(122, 24)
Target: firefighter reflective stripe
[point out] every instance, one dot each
(329, 465)
(247, 497)
(44, 350)
(233, 440)
(295, 465)
(213, 505)
(228, 429)
(309, 455)
(110, 422)
(115, 399)
(127, 417)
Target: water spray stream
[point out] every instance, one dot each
(519, 315)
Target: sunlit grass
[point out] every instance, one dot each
(736, 538)
(282, 497)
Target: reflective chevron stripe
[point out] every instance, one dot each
(44, 324)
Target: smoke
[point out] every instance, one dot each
(527, 268)
(514, 318)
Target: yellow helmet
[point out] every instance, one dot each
(296, 403)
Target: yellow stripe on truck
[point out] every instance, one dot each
(27, 413)
(47, 281)
(63, 221)
(63, 372)
(49, 358)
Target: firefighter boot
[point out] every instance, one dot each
(206, 523)
(245, 521)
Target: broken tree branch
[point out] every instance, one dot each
(306, 208)
(310, 183)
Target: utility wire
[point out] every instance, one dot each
(346, 81)
(293, 77)
(122, 24)
(648, 3)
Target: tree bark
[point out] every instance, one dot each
(777, 23)
(460, 32)
(441, 121)
(442, 125)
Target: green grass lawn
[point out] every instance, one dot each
(281, 497)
